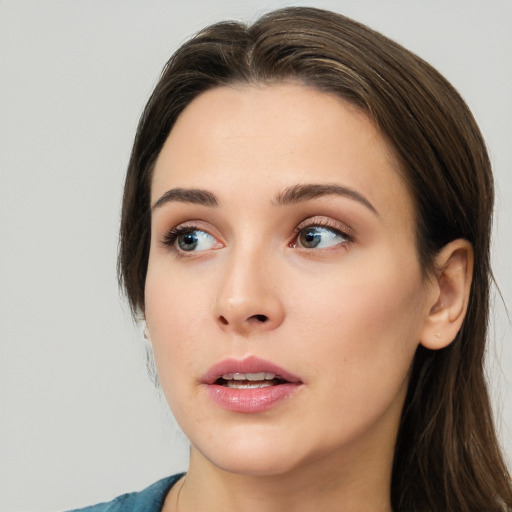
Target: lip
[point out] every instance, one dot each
(249, 400)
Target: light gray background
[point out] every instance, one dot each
(79, 420)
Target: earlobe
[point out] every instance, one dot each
(450, 294)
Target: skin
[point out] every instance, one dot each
(346, 317)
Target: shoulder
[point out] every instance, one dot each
(150, 499)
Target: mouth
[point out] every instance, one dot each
(249, 385)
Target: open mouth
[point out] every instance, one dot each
(250, 385)
(250, 380)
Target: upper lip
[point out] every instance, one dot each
(250, 364)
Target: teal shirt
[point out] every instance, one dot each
(150, 499)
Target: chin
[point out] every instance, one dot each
(251, 454)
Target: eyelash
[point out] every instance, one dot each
(169, 239)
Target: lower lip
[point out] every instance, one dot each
(252, 400)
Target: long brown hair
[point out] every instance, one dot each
(447, 456)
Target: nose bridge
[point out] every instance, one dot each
(248, 297)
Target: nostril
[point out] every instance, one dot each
(223, 320)
(260, 318)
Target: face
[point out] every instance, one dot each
(284, 298)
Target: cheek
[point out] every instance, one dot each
(369, 322)
(175, 315)
(359, 342)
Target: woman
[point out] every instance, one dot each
(305, 232)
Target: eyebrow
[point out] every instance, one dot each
(187, 195)
(291, 195)
(299, 193)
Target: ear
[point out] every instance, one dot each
(450, 294)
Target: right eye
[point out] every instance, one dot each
(187, 239)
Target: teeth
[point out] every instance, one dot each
(247, 384)
(260, 376)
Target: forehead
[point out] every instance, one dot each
(262, 139)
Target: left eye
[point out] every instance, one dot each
(318, 237)
(194, 240)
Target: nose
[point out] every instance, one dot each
(248, 299)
